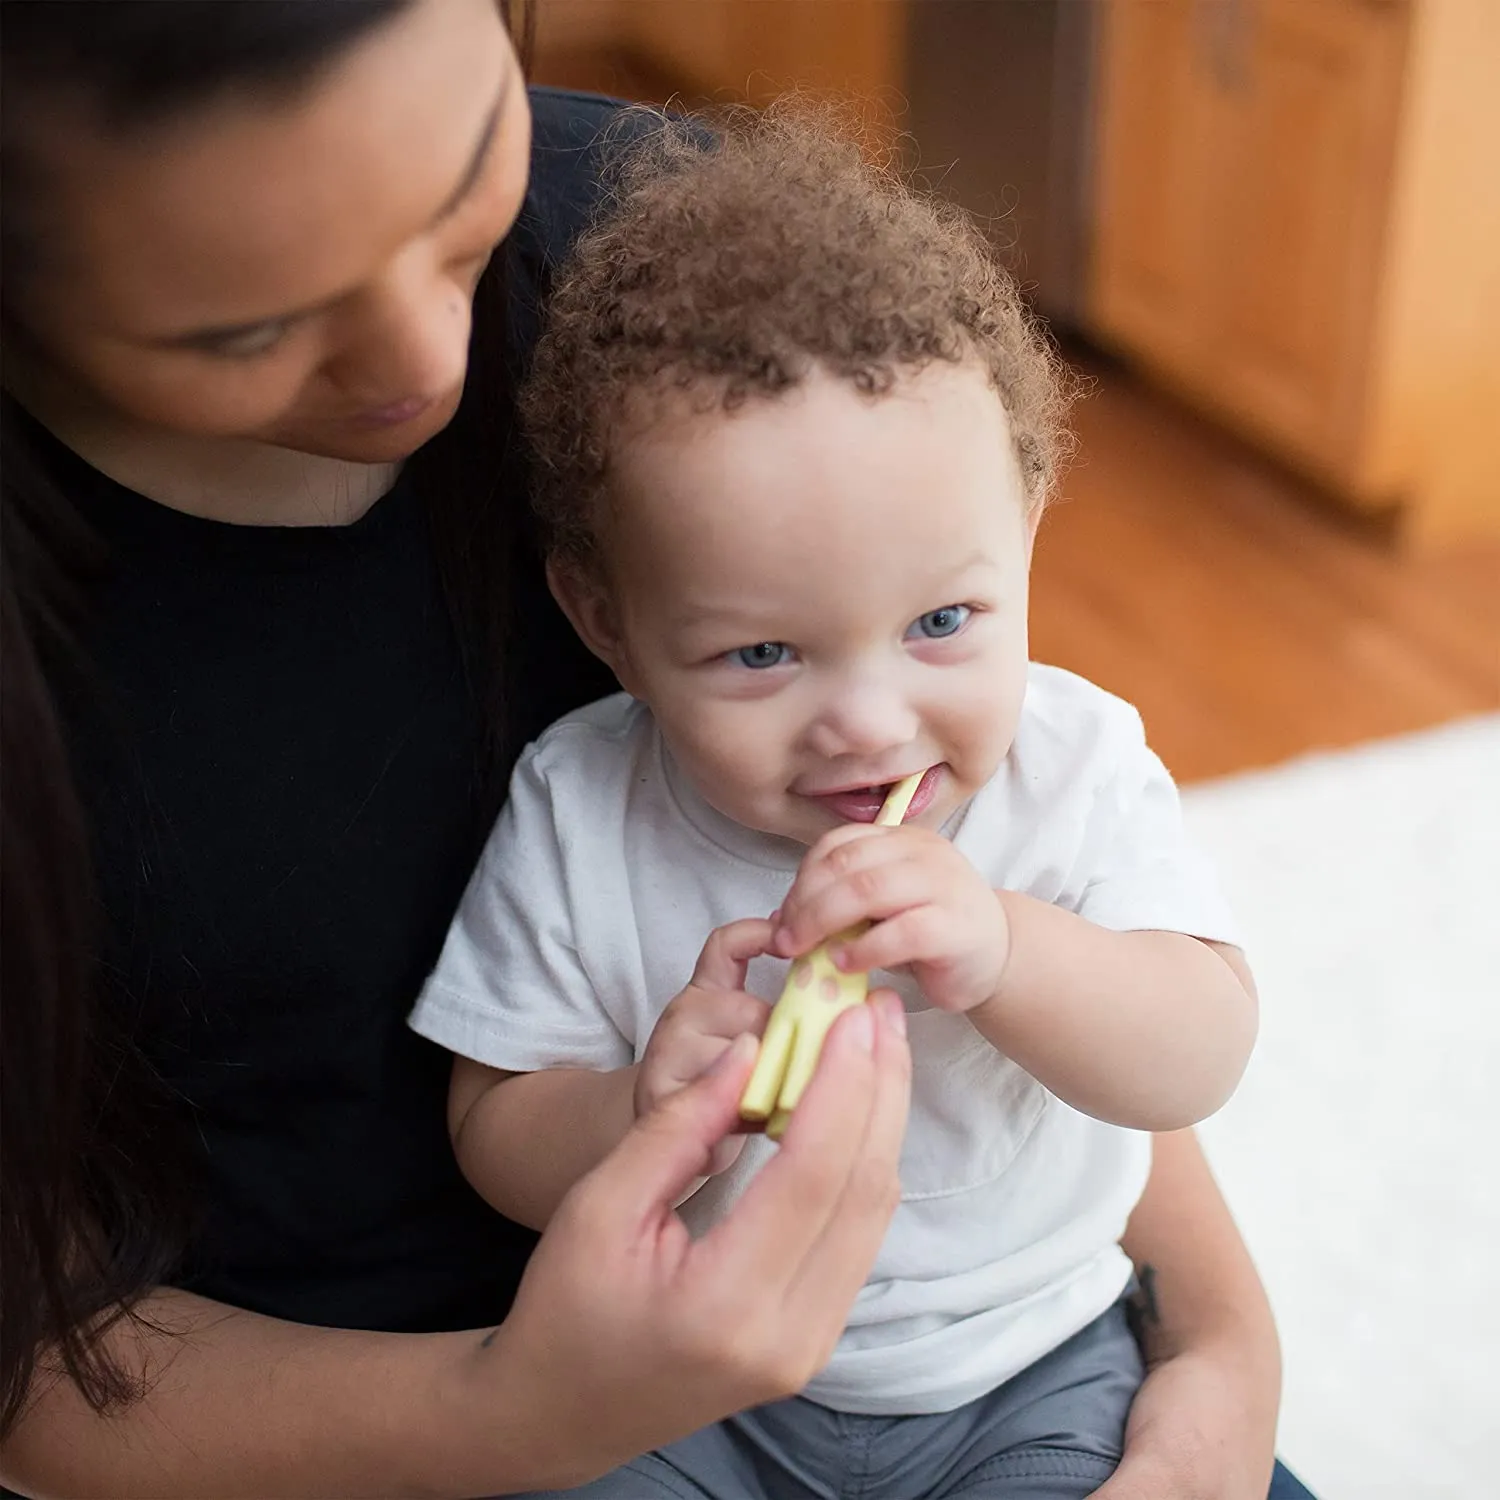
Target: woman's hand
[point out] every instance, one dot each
(1200, 1429)
(1203, 1426)
(627, 1334)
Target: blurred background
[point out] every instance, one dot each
(1269, 233)
(1271, 230)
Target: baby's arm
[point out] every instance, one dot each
(1104, 994)
(1149, 1030)
(524, 1139)
(1146, 1029)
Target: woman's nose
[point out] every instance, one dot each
(410, 337)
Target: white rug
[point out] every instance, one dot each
(1362, 1152)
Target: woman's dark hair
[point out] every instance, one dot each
(93, 1211)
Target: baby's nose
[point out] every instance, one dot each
(865, 721)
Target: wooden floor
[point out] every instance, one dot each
(1247, 618)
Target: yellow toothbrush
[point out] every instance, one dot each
(816, 993)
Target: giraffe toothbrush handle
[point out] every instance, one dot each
(815, 995)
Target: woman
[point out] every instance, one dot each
(273, 629)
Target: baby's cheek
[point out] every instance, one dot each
(988, 735)
(736, 755)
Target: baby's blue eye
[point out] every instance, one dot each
(764, 654)
(937, 623)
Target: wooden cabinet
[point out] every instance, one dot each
(741, 49)
(756, 48)
(1297, 243)
(1258, 166)
(1154, 206)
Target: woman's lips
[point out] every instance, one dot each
(394, 413)
(861, 804)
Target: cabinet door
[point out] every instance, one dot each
(1157, 132)
(755, 48)
(1301, 218)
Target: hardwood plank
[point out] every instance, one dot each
(1246, 619)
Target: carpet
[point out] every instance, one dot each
(1360, 1152)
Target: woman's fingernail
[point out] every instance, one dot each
(840, 957)
(739, 1049)
(895, 1014)
(862, 1029)
(782, 938)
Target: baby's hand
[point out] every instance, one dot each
(931, 909)
(703, 1021)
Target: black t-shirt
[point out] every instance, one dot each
(281, 783)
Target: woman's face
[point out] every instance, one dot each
(296, 270)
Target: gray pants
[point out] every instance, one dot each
(1054, 1432)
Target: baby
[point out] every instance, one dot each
(794, 434)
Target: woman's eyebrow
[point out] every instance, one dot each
(479, 156)
(471, 175)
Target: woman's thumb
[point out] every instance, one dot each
(653, 1166)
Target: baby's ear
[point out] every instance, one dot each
(585, 598)
(1034, 512)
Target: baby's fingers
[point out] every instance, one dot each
(694, 1031)
(722, 1013)
(675, 1064)
(921, 934)
(869, 893)
(727, 953)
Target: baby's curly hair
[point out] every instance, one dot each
(726, 266)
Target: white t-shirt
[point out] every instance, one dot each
(606, 873)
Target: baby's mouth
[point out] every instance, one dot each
(861, 804)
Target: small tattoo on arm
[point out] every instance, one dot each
(1147, 1294)
(1142, 1311)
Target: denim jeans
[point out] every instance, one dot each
(1286, 1486)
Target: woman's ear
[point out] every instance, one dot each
(585, 599)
